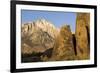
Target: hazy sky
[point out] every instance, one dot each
(57, 18)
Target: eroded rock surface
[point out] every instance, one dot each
(82, 35)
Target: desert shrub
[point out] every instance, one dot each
(44, 58)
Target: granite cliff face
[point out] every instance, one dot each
(82, 35)
(39, 36)
(41, 24)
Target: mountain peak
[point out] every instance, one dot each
(46, 26)
(38, 35)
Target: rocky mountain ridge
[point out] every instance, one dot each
(38, 35)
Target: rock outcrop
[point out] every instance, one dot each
(82, 35)
(63, 48)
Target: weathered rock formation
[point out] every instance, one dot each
(82, 35)
(63, 48)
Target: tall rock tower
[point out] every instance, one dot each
(82, 35)
(63, 49)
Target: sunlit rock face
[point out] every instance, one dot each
(38, 35)
(82, 35)
(63, 49)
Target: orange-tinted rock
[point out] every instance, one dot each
(82, 35)
(63, 49)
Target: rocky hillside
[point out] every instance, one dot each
(39, 36)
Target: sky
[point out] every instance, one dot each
(56, 18)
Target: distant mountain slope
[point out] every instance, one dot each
(38, 35)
